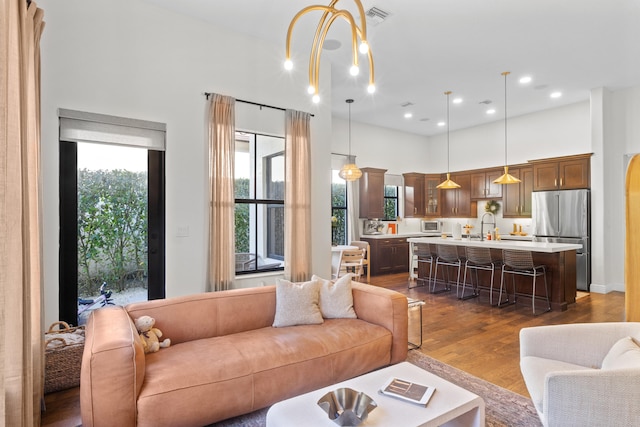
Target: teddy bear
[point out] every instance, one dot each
(150, 336)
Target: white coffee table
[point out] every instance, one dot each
(450, 405)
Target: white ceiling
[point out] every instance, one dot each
(425, 48)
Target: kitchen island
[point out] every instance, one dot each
(560, 259)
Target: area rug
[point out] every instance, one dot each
(503, 408)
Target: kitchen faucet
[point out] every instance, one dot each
(482, 223)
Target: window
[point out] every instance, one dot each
(338, 209)
(390, 202)
(259, 202)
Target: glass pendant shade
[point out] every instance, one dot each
(350, 172)
(448, 184)
(506, 178)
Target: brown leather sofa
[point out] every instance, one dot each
(225, 358)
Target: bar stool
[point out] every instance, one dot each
(447, 256)
(478, 259)
(421, 253)
(521, 262)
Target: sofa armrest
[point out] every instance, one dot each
(592, 398)
(584, 344)
(386, 308)
(113, 365)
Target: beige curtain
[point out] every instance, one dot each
(21, 347)
(297, 205)
(221, 197)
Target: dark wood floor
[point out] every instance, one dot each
(470, 335)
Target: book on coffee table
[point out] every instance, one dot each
(408, 391)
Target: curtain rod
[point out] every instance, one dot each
(208, 94)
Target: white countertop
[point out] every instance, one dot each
(500, 244)
(393, 236)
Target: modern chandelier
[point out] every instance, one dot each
(448, 184)
(506, 178)
(329, 15)
(350, 172)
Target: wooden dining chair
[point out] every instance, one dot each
(367, 260)
(352, 262)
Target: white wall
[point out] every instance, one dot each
(557, 132)
(129, 58)
(622, 139)
(376, 147)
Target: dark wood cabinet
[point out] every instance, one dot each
(562, 174)
(482, 186)
(371, 186)
(414, 195)
(457, 202)
(516, 199)
(432, 199)
(388, 255)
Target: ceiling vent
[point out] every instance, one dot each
(376, 16)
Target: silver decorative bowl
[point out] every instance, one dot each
(347, 407)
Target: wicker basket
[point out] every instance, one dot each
(62, 362)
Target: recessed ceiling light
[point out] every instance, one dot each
(525, 79)
(457, 100)
(491, 111)
(556, 94)
(441, 124)
(408, 115)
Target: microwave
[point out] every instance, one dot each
(431, 226)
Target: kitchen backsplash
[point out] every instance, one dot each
(412, 225)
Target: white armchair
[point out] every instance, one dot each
(562, 366)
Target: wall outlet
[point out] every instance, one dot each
(183, 231)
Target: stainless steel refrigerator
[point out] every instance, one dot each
(564, 217)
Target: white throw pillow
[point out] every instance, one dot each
(297, 303)
(336, 298)
(624, 354)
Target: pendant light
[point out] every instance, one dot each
(506, 178)
(350, 172)
(448, 184)
(329, 14)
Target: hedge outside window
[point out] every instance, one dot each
(338, 209)
(390, 202)
(259, 202)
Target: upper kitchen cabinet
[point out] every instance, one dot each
(371, 186)
(432, 200)
(414, 195)
(516, 201)
(458, 203)
(482, 186)
(565, 173)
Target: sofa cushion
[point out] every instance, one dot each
(297, 303)
(535, 369)
(247, 370)
(336, 298)
(625, 353)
